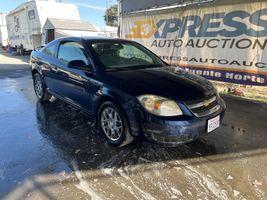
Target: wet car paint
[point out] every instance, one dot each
(88, 90)
(50, 151)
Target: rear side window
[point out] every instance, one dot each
(70, 51)
(50, 50)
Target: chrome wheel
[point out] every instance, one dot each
(111, 123)
(38, 86)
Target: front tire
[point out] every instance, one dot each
(113, 124)
(40, 89)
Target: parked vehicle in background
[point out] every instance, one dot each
(25, 22)
(127, 90)
(3, 31)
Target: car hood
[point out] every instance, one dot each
(169, 82)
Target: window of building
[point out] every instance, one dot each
(31, 14)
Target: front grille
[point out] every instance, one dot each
(204, 107)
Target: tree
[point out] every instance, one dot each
(111, 16)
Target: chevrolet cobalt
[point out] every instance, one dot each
(128, 91)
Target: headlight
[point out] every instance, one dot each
(216, 89)
(160, 106)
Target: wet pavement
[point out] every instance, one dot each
(49, 151)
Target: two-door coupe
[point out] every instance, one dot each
(128, 90)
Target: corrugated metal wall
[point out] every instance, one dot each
(129, 6)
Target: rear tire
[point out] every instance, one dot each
(113, 124)
(40, 88)
(21, 51)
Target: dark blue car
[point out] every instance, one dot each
(127, 90)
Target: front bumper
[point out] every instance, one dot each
(171, 131)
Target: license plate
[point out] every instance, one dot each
(213, 123)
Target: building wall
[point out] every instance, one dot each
(3, 30)
(76, 33)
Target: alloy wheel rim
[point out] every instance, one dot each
(111, 123)
(38, 86)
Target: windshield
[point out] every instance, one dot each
(117, 55)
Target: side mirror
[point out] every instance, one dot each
(80, 64)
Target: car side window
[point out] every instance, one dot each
(70, 51)
(50, 50)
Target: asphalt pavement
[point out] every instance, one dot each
(50, 151)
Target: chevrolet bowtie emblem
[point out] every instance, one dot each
(206, 103)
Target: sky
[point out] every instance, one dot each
(90, 10)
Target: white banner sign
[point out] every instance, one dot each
(225, 43)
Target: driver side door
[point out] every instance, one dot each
(75, 84)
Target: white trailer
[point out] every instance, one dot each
(3, 30)
(25, 23)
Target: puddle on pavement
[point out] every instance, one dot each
(54, 138)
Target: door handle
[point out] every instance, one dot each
(63, 74)
(54, 69)
(38, 63)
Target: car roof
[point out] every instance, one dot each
(93, 39)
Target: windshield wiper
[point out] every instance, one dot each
(144, 66)
(134, 67)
